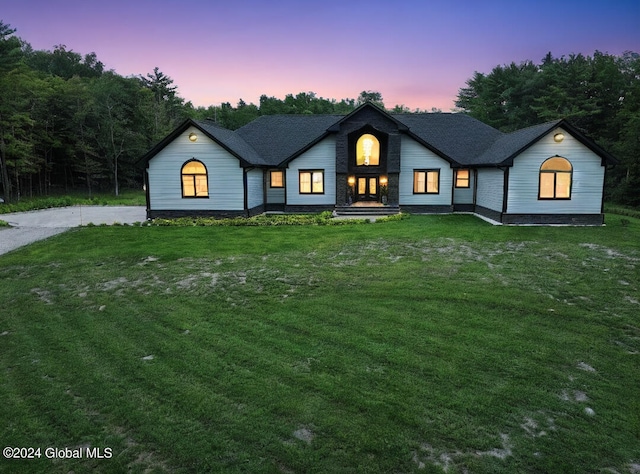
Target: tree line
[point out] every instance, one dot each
(67, 123)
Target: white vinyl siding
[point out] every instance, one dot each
(586, 184)
(226, 188)
(415, 157)
(490, 188)
(255, 192)
(465, 195)
(322, 157)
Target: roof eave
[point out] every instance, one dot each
(336, 126)
(308, 146)
(244, 163)
(509, 160)
(605, 156)
(165, 141)
(444, 156)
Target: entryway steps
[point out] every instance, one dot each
(366, 210)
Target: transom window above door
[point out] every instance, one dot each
(367, 150)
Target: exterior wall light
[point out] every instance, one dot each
(383, 180)
(351, 180)
(558, 137)
(193, 137)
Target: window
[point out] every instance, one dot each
(312, 182)
(555, 179)
(277, 179)
(462, 178)
(194, 180)
(426, 181)
(367, 151)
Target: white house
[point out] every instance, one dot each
(420, 163)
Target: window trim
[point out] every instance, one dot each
(467, 179)
(271, 185)
(555, 174)
(311, 173)
(426, 181)
(193, 175)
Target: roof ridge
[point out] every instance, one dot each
(550, 124)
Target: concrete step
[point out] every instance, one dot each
(366, 210)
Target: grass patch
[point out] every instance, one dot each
(622, 210)
(430, 344)
(126, 198)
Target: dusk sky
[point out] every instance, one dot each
(416, 53)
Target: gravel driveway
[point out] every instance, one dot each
(28, 227)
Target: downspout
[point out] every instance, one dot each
(246, 192)
(286, 186)
(475, 188)
(604, 180)
(505, 192)
(146, 191)
(453, 190)
(264, 189)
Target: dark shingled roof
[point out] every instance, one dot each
(458, 136)
(272, 140)
(279, 137)
(232, 141)
(506, 146)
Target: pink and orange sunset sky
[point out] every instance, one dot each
(416, 53)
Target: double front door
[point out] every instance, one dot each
(367, 188)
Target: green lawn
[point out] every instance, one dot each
(433, 344)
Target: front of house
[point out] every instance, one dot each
(418, 163)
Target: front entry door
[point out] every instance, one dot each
(367, 188)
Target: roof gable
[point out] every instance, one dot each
(367, 110)
(232, 142)
(458, 137)
(507, 147)
(226, 138)
(279, 138)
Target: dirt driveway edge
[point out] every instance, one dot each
(29, 227)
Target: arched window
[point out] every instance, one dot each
(555, 179)
(194, 180)
(367, 151)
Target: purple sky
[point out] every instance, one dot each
(418, 53)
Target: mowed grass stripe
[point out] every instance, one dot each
(432, 343)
